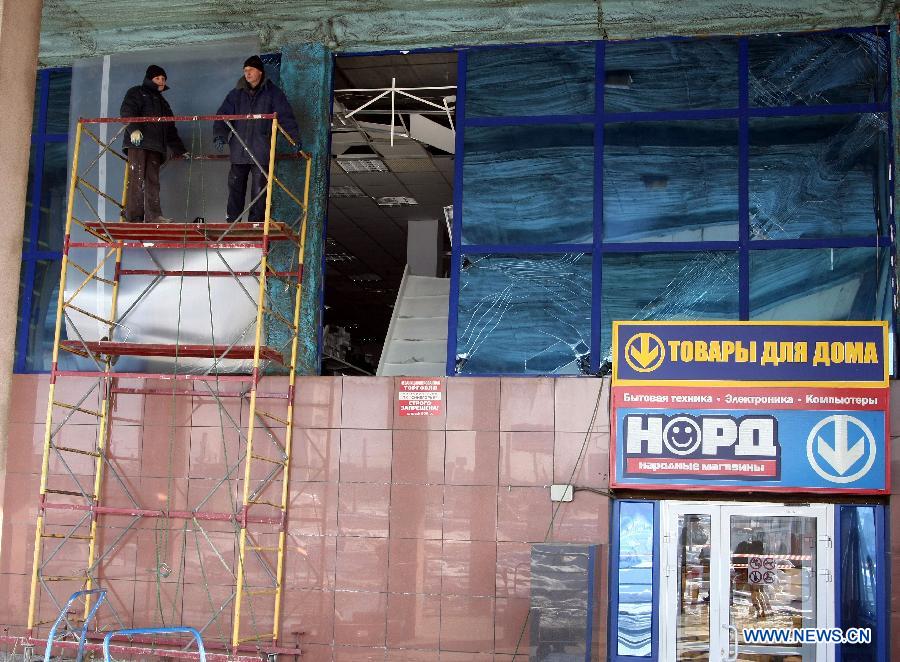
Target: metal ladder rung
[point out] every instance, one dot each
(66, 449)
(66, 405)
(262, 548)
(89, 314)
(63, 535)
(260, 591)
(90, 275)
(281, 318)
(278, 419)
(256, 637)
(70, 493)
(266, 459)
(63, 578)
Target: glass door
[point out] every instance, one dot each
(729, 569)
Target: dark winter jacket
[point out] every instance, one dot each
(257, 134)
(147, 101)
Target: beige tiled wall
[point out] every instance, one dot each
(409, 537)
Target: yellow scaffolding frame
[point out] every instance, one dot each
(115, 238)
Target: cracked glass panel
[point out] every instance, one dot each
(667, 286)
(818, 69)
(819, 176)
(670, 181)
(823, 283)
(527, 81)
(671, 75)
(528, 184)
(635, 562)
(524, 314)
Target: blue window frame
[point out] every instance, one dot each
(750, 175)
(44, 221)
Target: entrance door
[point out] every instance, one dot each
(728, 567)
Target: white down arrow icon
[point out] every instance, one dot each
(838, 453)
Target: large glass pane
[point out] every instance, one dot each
(671, 75)
(54, 187)
(773, 582)
(859, 565)
(820, 176)
(693, 567)
(667, 286)
(29, 191)
(670, 181)
(635, 563)
(41, 313)
(524, 314)
(820, 284)
(528, 184)
(58, 101)
(818, 69)
(527, 81)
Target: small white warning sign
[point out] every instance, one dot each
(420, 397)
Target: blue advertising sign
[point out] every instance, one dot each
(829, 440)
(849, 354)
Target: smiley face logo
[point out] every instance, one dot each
(682, 435)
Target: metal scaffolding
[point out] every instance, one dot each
(86, 507)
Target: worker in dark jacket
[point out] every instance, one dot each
(147, 145)
(250, 141)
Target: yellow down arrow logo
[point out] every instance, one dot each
(644, 352)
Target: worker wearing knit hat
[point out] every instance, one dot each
(249, 141)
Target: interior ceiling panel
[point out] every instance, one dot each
(411, 165)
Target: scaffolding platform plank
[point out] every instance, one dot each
(219, 233)
(163, 350)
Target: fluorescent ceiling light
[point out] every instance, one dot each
(395, 201)
(346, 192)
(362, 165)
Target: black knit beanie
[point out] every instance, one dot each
(153, 71)
(256, 62)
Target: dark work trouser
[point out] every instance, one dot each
(237, 191)
(142, 202)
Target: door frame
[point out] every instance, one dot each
(720, 512)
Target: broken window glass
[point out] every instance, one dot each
(670, 181)
(541, 80)
(667, 286)
(823, 283)
(818, 69)
(524, 314)
(819, 176)
(671, 75)
(528, 184)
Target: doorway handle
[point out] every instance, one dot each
(732, 652)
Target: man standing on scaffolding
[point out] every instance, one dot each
(147, 145)
(249, 140)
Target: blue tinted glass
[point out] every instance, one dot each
(28, 193)
(670, 181)
(859, 565)
(42, 316)
(671, 75)
(667, 286)
(524, 314)
(635, 565)
(54, 187)
(820, 284)
(544, 80)
(58, 101)
(820, 176)
(528, 184)
(818, 69)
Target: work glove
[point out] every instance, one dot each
(219, 143)
(137, 137)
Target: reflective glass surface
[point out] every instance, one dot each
(635, 563)
(524, 314)
(819, 176)
(527, 81)
(820, 284)
(58, 101)
(528, 184)
(859, 564)
(667, 286)
(28, 192)
(42, 315)
(671, 75)
(692, 623)
(818, 69)
(52, 225)
(670, 181)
